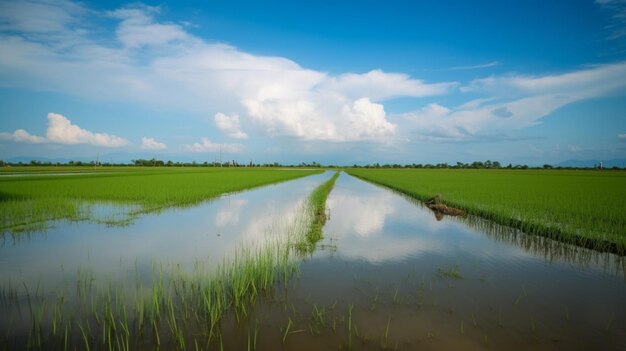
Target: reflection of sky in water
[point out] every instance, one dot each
(373, 224)
(208, 233)
(378, 241)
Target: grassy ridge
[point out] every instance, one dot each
(317, 205)
(25, 201)
(581, 207)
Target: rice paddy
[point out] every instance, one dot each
(581, 207)
(323, 261)
(29, 203)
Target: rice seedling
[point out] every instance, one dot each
(395, 295)
(29, 203)
(449, 272)
(609, 323)
(386, 334)
(579, 207)
(287, 329)
(519, 297)
(350, 307)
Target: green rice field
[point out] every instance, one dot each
(582, 207)
(28, 202)
(323, 260)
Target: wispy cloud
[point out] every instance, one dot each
(45, 17)
(514, 103)
(62, 131)
(205, 145)
(481, 66)
(617, 9)
(151, 144)
(621, 136)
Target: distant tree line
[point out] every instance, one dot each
(154, 163)
(475, 165)
(169, 163)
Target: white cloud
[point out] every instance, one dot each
(378, 85)
(138, 29)
(514, 103)
(62, 131)
(617, 8)
(481, 66)
(205, 145)
(151, 144)
(229, 125)
(40, 17)
(162, 64)
(22, 136)
(590, 81)
(621, 136)
(337, 120)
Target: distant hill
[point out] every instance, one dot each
(591, 163)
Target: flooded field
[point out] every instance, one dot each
(227, 274)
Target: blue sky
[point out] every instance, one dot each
(334, 82)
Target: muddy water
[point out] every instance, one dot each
(413, 282)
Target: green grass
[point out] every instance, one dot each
(585, 208)
(29, 202)
(317, 204)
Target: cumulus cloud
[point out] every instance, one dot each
(205, 145)
(514, 102)
(159, 63)
(334, 121)
(151, 144)
(62, 131)
(229, 125)
(22, 136)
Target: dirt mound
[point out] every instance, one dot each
(436, 204)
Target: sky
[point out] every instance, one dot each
(350, 82)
